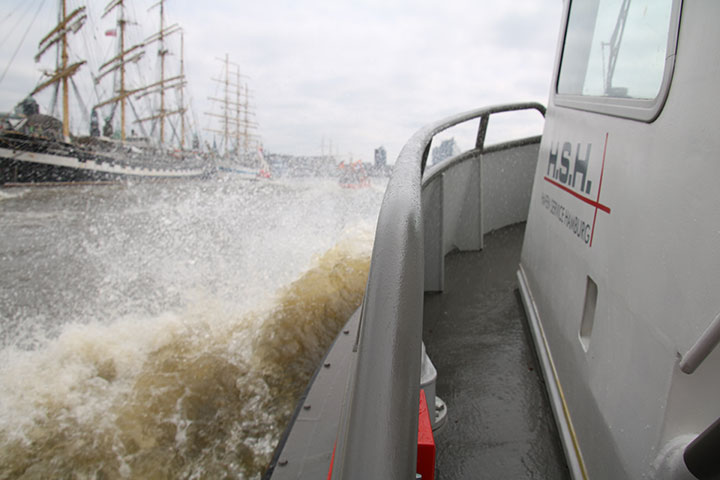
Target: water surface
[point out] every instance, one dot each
(165, 330)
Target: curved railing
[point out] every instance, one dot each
(378, 431)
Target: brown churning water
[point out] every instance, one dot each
(202, 389)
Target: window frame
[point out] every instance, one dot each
(646, 110)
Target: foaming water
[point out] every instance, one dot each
(197, 377)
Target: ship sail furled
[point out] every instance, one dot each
(174, 82)
(64, 71)
(133, 54)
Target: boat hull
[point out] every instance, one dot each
(241, 173)
(28, 160)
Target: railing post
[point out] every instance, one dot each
(482, 130)
(426, 152)
(434, 230)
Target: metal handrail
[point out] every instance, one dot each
(437, 170)
(702, 347)
(378, 431)
(484, 115)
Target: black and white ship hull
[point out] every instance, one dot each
(25, 159)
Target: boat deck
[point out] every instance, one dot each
(499, 423)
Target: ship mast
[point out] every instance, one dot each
(65, 101)
(182, 90)
(63, 72)
(246, 122)
(224, 104)
(162, 52)
(227, 88)
(121, 24)
(118, 63)
(239, 106)
(164, 84)
(124, 57)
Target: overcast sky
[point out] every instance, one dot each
(359, 74)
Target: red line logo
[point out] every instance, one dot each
(589, 201)
(563, 178)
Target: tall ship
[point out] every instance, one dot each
(239, 153)
(38, 148)
(557, 292)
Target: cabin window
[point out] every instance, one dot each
(618, 50)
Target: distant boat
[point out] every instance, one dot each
(37, 148)
(256, 169)
(240, 154)
(353, 175)
(34, 159)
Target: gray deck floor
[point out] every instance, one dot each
(499, 425)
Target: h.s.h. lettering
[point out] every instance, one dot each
(565, 165)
